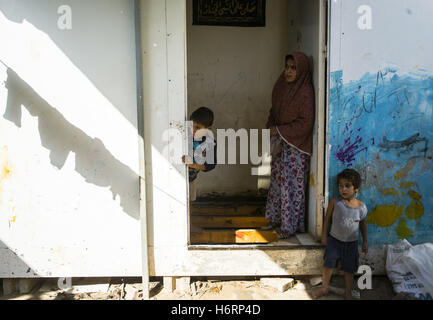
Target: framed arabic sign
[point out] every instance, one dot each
(241, 13)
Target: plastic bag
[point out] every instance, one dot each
(410, 269)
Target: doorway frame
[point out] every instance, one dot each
(315, 213)
(163, 46)
(322, 93)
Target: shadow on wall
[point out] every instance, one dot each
(92, 160)
(103, 52)
(12, 265)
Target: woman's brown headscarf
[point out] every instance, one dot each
(293, 106)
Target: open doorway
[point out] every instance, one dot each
(232, 71)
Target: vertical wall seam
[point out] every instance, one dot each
(141, 152)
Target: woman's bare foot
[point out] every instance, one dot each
(319, 293)
(270, 226)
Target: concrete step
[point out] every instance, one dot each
(297, 241)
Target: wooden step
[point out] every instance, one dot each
(240, 210)
(229, 221)
(233, 236)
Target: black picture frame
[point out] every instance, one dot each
(239, 13)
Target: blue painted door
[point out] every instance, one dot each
(380, 118)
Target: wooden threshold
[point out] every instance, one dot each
(295, 242)
(229, 221)
(233, 236)
(241, 210)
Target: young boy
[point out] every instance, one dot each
(202, 119)
(348, 216)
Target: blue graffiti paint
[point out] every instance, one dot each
(382, 126)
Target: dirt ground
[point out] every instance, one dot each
(254, 290)
(206, 289)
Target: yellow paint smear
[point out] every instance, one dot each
(415, 210)
(402, 173)
(389, 192)
(5, 166)
(385, 216)
(312, 179)
(407, 185)
(403, 232)
(414, 195)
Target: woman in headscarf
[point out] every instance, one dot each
(291, 121)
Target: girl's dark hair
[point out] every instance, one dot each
(289, 57)
(203, 115)
(353, 176)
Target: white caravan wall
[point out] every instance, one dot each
(232, 70)
(69, 203)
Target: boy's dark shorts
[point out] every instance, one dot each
(345, 252)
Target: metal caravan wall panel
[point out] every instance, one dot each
(69, 182)
(380, 119)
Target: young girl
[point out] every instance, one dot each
(348, 216)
